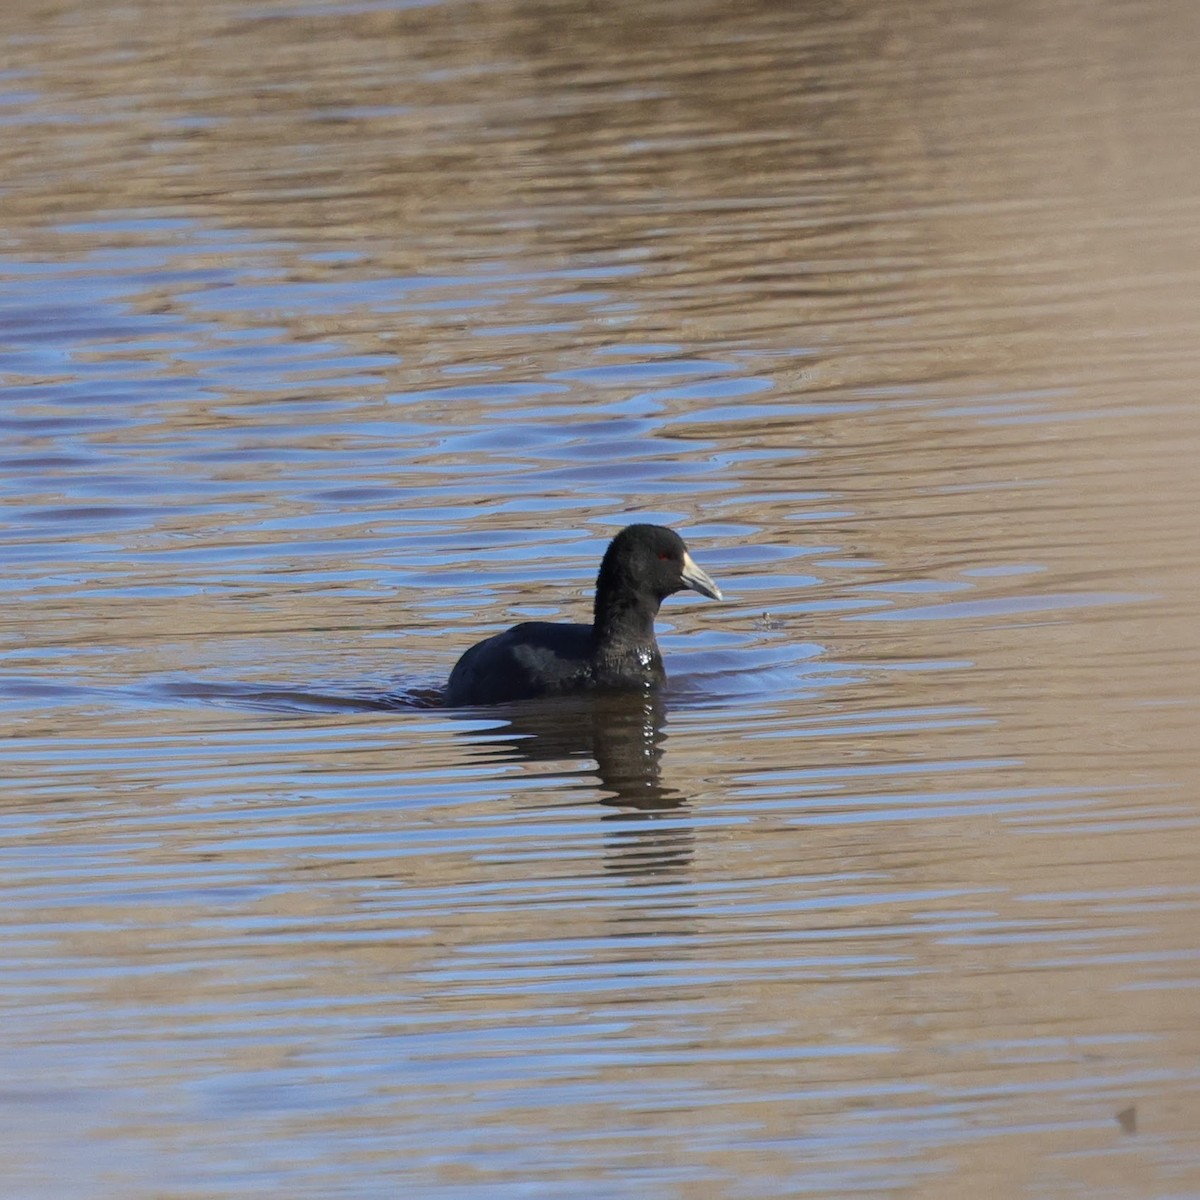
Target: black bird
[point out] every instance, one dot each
(643, 565)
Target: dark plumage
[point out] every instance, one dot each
(643, 565)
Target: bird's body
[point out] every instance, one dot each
(642, 566)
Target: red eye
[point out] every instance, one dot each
(665, 555)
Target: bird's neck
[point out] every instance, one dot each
(623, 624)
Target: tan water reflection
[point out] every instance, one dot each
(338, 333)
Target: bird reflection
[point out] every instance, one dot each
(623, 733)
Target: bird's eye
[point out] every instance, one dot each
(665, 555)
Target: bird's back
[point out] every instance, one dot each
(535, 658)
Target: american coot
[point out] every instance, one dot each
(643, 565)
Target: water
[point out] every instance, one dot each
(337, 335)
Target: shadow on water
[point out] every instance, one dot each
(619, 735)
(298, 700)
(611, 741)
(622, 733)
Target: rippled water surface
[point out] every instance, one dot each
(337, 335)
